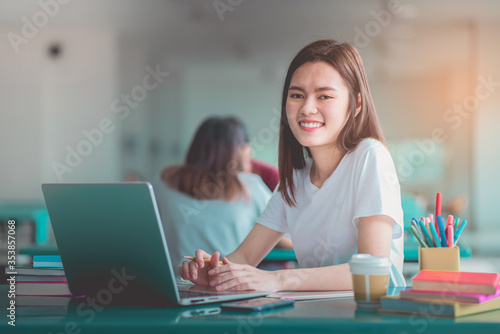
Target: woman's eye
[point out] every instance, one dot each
(296, 96)
(325, 97)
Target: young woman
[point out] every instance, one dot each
(210, 200)
(338, 193)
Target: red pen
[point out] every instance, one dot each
(438, 204)
(438, 210)
(449, 235)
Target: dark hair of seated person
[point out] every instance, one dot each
(218, 152)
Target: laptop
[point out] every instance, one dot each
(113, 247)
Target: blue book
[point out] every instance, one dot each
(47, 261)
(47, 258)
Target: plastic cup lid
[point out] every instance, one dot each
(369, 260)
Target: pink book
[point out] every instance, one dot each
(449, 296)
(458, 281)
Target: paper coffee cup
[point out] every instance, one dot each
(370, 279)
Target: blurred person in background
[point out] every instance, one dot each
(212, 200)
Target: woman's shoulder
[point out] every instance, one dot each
(250, 179)
(370, 143)
(253, 182)
(369, 151)
(369, 146)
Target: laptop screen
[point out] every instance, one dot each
(111, 240)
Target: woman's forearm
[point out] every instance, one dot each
(256, 246)
(337, 277)
(238, 257)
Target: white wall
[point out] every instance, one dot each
(166, 119)
(413, 94)
(47, 103)
(486, 181)
(237, 89)
(20, 130)
(135, 128)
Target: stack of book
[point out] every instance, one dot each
(42, 289)
(446, 294)
(45, 278)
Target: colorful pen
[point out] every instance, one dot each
(449, 235)
(459, 231)
(457, 222)
(427, 236)
(417, 227)
(419, 238)
(449, 221)
(427, 224)
(442, 233)
(431, 217)
(414, 222)
(438, 205)
(435, 235)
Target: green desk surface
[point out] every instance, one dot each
(49, 249)
(19, 210)
(281, 255)
(322, 316)
(410, 252)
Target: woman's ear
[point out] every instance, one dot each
(246, 158)
(358, 105)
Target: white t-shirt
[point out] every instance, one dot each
(324, 223)
(211, 225)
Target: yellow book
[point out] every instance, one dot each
(393, 304)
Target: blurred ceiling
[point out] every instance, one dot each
(259, 29)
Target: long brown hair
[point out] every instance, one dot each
(347, 61)
(213, 161)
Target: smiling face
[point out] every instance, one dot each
(317, 105)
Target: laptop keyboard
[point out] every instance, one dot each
(194, 294)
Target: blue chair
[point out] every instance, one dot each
(412, 207)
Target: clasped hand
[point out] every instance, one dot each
(228, 275)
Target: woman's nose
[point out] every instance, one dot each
(309, 107)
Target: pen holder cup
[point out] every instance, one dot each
(442, 258)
